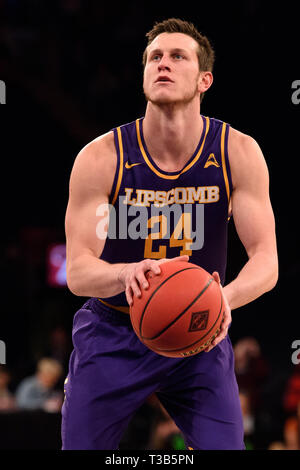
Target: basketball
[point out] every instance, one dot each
(180, 313)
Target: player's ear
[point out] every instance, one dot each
(205, 81)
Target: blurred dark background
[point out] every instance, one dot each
(73, 70)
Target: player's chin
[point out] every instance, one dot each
(162, 100)
(162, 97)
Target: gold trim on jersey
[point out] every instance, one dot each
(120, 309)
(186, 168)
(224, 161)
(120, 175)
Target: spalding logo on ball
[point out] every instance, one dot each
(180, 314)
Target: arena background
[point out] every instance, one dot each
(72, 71)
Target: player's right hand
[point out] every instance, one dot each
(133, 278)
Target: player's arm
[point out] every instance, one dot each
(90, 186)
(254, 221)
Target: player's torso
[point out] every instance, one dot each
(158, 214)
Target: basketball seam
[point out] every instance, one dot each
(181, 314)
(193, 344)
(154, 292)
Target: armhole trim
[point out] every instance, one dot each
(224, 141)
(120, 153)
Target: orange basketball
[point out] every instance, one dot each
(180, 313)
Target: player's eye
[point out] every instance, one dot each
(178, 56)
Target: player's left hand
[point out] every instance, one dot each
(226, 318)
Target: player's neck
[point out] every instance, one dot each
(172, 134)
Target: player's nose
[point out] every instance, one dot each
(164, 64)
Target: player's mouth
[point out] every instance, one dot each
(163, 79)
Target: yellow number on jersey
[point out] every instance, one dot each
(184, 225)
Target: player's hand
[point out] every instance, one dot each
(133, 275)
(226, 318)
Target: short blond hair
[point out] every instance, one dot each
(205, 53)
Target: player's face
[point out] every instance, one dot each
(172, 73)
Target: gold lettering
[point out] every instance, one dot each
(128, 200)
(170, 200)
(193, 195)
(180, 199)
(190, 195)
(160, 198)
(139, 199)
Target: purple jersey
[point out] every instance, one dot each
(184, 212)
(111, 372)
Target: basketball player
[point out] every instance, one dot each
(172, 155)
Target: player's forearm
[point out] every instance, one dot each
(259, 275)
(88, 276)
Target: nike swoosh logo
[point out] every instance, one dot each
(130, 166)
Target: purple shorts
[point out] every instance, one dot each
(111, 374)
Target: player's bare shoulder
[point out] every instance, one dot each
(95, 165)
(245, 157)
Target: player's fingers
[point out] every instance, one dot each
(162, 260)
(227, 318)
(154, 267)
(216, 277)
(141, 278)
(225, 324)
(220, 336)
(135, 287)
(177, 258)
(128, 294)
(214, 343)
(181, 258)
(218, 339)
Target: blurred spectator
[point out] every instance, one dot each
(276, 445)
(138, 432)
(291, 397)
(291, 433)
(248, 420)
(152, 428)
(165, 434)
(7, 401)
(38, 391)
(291, 436)
(59, 346)
(251, 369)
